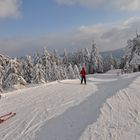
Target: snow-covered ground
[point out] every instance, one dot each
(107, 108)
(119, 118)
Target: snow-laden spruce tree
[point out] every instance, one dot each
(86, 55)
(4, 60)
(45, 57)
(135, 62)
(37, 59)
(13, 75)
(96, 64)
(55, 74)
(76, 71)
(128, 55)
(132, 55)
(111, 62)
(1, 77)
(47, 65)
(48, 72)
(106, 64)
(65, 58)
(56, 57)
(27, 69)
(80, 68)
(80, 57)
(100, 64)
(38, 74)
(70, 72)
(63, 72)
(93, 58)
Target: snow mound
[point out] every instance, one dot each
(114, 71)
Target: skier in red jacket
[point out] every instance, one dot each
(83, 75)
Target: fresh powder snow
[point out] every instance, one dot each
(107, 108)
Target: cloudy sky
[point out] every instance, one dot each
(27, 26)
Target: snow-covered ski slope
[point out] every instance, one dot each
(107, 108)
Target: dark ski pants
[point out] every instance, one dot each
(83, 78)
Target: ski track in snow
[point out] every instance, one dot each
(66, 110)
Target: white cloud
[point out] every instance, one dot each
(105, 36)
(132, 5)
(81, 2)
(10, 8)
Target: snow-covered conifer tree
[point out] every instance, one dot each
(4, 60)
(1, 77)
(55, 74)
(132, 55)
(63, 72)
(100, 64)
(27, 69)
(56, 57)
(70, 72)
(65, 58)
(76, 71)
(38, 74)
(95, 60)
(111, 62)
(87, 60)
(37, 59)
(47, 65)
(46, 57)
(13, 75)
(80, 57)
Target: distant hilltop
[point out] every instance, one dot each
(116, 53)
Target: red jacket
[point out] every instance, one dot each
(83, 72)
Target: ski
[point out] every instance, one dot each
(9, 117)
(6, 115)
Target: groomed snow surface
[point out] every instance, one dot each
(107, 108)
